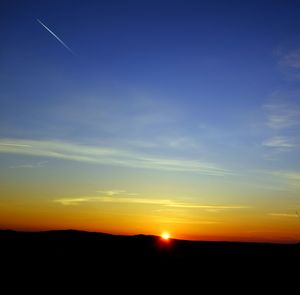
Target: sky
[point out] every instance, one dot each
(132, 117)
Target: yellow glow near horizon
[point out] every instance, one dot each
(23, 209)
(165, 236)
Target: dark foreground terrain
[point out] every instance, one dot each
(94, 256)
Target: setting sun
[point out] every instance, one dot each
(165, 236)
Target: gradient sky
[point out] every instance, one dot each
(151, 116)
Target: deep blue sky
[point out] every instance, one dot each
(178, 48)
(217, 63)
(210, 87)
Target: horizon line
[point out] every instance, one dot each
(229, 241)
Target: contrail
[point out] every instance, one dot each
(55, 36)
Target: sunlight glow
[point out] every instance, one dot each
(165, 236)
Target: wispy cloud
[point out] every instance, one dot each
(146, 201)
(279, 142)
(291, 59)
(282, 120)
(287, 180)
(9, 144)
(106, 156)
(281, 116)
(127, 200)
(116, 193)
(74, 201)
(177, 220)
(289, 175)
(33, 165)
(208, 207)
(167, 142)
(289, 215)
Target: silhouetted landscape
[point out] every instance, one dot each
(79, 252)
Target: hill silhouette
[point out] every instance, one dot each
(78, 253)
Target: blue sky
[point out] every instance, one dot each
(187, 96)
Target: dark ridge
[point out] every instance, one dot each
(78, 253)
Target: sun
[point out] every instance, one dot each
(165, 236)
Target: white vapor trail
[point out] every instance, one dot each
(55, 36)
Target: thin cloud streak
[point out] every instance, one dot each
(291, 59)
(284, 215)
(34, 165)
(73, 201)
(279, 142)
(15, 145)
(282, 121)
(217, 207)
(175, 220)
(145, 201)
(106, 156)
(111, 193)
(281, 116)
(288, 175)
(56, 37)
(289, 180)
(114, 192)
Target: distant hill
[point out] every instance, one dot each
(78, 253)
